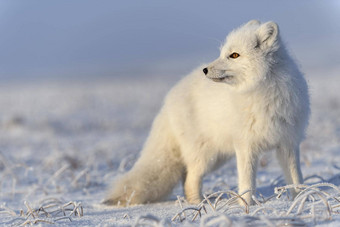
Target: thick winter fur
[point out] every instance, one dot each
(244, 105)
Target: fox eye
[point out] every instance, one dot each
(234, 55)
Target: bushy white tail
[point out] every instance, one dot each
(155, 173)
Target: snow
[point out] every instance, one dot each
(68, 140)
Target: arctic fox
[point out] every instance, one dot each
(252, 99)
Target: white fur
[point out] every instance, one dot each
(206, 119)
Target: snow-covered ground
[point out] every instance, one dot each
(62, 143)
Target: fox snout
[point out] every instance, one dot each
(218, 75)
(205, 71)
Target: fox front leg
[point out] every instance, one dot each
(246, 168)
(193, 184)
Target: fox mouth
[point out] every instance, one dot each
(221, 79)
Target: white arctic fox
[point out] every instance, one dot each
(252, 99)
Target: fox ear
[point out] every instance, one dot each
(253, 22)
(268, 33)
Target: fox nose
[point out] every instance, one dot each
(205, 70)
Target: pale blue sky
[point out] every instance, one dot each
(82, 38)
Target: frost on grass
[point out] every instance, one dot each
(50, 211)
(315, 203)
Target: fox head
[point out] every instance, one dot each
(247, 55)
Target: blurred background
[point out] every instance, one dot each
(82, 39)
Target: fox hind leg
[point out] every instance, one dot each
(289, 159)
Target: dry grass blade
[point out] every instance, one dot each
(74, 183)
(284, 189)
(335, 206)
(178, 215)
(179, 202)
(36, 221)
(7, 210)
(197, 213)
(77, 210)
(127, 216)
(208, 200)
(58, 173)
(62, 218)
(194, 212)
(30, 211)
(233, 199)
(314, 177)
(256, 200)
(323, 185)
(218, 199)
(310, 205)
(302, 200)
(49, 212)
(42, 209)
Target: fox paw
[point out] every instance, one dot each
(115, 202)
